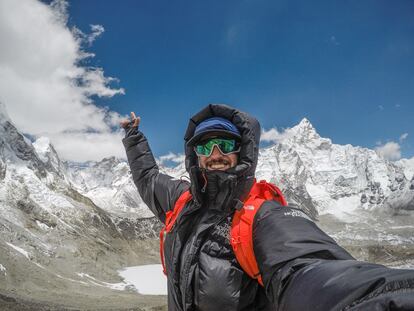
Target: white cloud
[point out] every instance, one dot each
(97, 30)
(403, 137)
(80, 146)
(390, 151)
(174, 157)
(273, 135)
(46, 88)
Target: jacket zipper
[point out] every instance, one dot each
(190, 258)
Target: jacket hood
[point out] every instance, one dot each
(242, 175)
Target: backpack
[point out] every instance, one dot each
(241, 233)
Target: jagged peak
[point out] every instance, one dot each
(43, 148)
(303, 130)
(306, 125)
(42, 143)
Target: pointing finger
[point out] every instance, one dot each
(136, 121)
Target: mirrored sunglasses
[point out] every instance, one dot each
(225, 145)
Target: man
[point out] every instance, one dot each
(300, 266)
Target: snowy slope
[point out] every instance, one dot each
(109, 184)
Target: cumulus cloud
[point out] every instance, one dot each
(46, 88)
(390, 151)
(276, 136)
(173, 157)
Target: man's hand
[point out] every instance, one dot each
(134, 122)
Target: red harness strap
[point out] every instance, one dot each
(170, 219)
(241, 233)
(242, 226)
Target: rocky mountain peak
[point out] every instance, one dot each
(305, 129)
(14, 146)
(304, 135)
(48, 155)
(305, 123)
(43, 147)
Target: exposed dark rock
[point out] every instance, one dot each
(399, 177)
(364, 198)
(23, 149)
(141, 229)
(3, 168)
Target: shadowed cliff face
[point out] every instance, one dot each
(2, 169)
(14, 146)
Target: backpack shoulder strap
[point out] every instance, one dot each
(241, 234)
(170, 219)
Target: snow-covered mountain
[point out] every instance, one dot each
(108, 184)
(330, 178)
(52, 237)
(319, 176)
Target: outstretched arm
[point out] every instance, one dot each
(304, 269)
(159, 191)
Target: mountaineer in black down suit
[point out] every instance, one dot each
(302, 268)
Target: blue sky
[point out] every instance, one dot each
(347, 66)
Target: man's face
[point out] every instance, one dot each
(217, 160)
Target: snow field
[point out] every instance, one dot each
(148, 279)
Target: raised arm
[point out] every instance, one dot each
(304, 269)
(159, 191)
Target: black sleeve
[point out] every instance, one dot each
(304, 269)
(159, 191)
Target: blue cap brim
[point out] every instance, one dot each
(224, 133)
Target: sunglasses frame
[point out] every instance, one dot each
(218, 147)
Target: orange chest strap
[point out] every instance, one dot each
(170, 219)
(241, 234)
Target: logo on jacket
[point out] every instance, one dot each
(296, 213)
(223, 230)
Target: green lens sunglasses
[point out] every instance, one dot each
(225, 145)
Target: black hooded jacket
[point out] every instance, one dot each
(302, 268)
